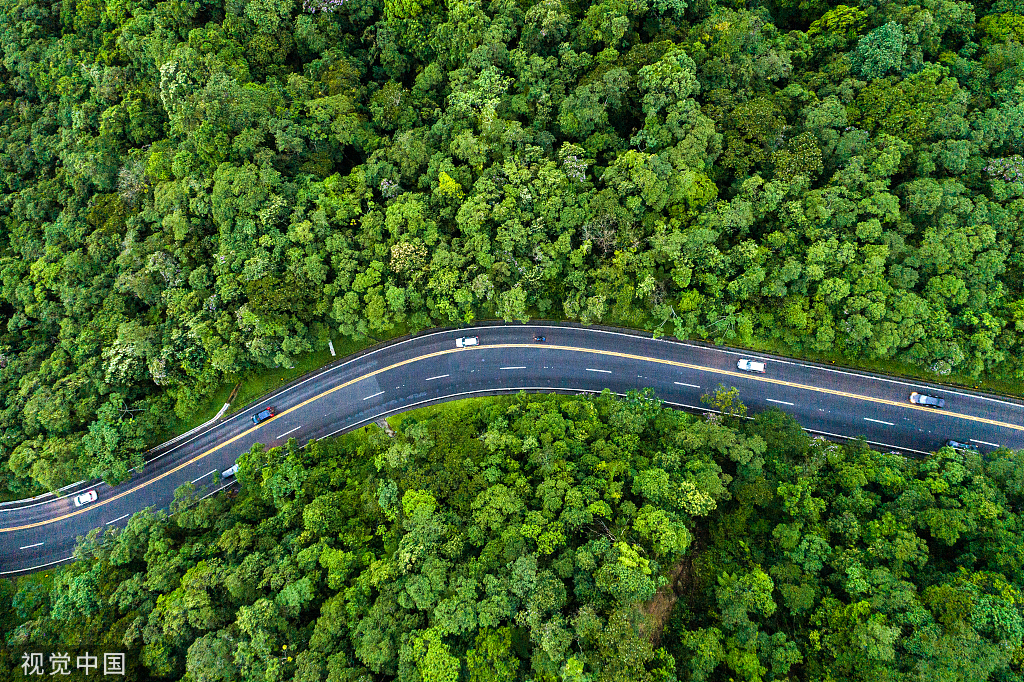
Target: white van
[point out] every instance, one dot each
(751, 366)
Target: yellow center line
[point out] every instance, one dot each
(402, 363)
(780, 382)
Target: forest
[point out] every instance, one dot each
(559, 539)
(193, 189)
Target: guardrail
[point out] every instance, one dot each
(28, 501)
(197, 429)
(501, 323)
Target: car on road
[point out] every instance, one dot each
(750, 365)
(467, 341)
(539, 338)
(230, 471)
(263, 415)
(956, 445)
(85, 498)
(929, 400)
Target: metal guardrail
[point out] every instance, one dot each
(60, 492)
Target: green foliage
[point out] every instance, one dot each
(448, 188)
(510, 538)
(837, 27)
(546, 537)
(404, 9)
(726, 401)
(880, 52)
(192, 193)
(1008, 26)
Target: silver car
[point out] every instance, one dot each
(929, 400)
(751, 366)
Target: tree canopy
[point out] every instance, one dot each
(193, 190)
(545, 538)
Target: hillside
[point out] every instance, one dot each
(194, 190)
(554, 539)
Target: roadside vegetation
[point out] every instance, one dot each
(193, 192)
(555, 539)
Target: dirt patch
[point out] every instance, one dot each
(383, 423)
(658, 609)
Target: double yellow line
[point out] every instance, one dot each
(629, 356)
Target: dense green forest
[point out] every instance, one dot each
(193, 189)
(561, 539)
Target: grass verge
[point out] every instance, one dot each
(421, 413)
(257, 383)
(999, 385)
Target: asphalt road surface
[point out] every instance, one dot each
(430, 368)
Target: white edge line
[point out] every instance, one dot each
(878, 421)
(30, 569)
(605, 371)
(38, 544)
(354, 427)
(684, 384)
(872, 377)
(985, 442)
(439, 376)
(511, 368)
(550, 389)
(291, 388)
(781, 402)
(287, 432)
(547, 389)
(214, 492)
(680, 342)
(36, 568)
(870, 442)
(118, 519)
(824, 368)
(374, 395)
(794, 362)
(202, 477)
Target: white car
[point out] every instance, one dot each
(751, 366)
(467, 341)
(229, 472)
(930, 400)
(85, 498)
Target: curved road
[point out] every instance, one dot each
(430, 368)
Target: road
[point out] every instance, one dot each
(429, 368)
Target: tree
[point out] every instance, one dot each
(880, 52)
(726, 401)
